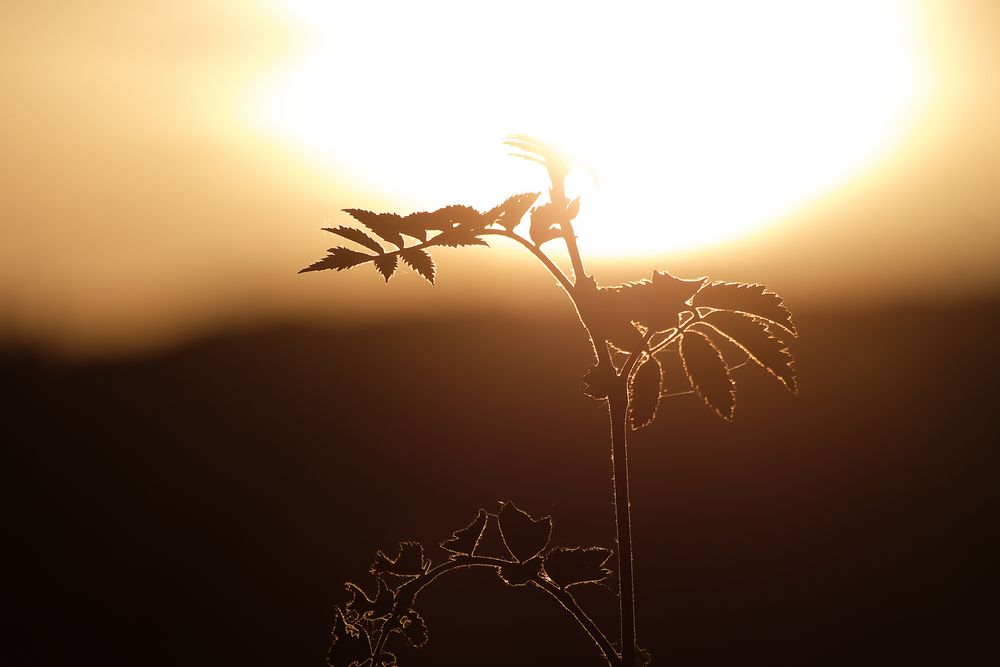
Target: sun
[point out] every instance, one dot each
(703, 121)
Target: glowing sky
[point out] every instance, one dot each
(166, 166)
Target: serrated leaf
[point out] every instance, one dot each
(388, 226)
(356, 235)
(524, 536)
(409, 562)
(597, 382)
(644, 393)
(509, 214)
(386, 264)
(339, 259)
(420, 262)
(465, 540)
(706, 369)
(457, 237)
(569, 567)
(414, 628)
(519, 574)
(748, 298)
(350, 643)
(757, 338)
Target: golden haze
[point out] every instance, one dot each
(148, 192)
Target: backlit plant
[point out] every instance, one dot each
(636, 329)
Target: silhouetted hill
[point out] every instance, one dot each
(203, 506)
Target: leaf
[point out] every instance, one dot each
(543, 222)
(749, 298)
(409, 562)
(756, 337)
(420, 262)
(386, 225)
(339, 259)
(356, 235)
(414, 628)
(597, 382)
(459, 236)
(644, 393)
(707, 371)
(642, 657)
(465, 540)
(350, 643)
(524, 536)
(569, 567)
(509, 214)
(367, 607)
(668, 296)
(518, 574)
(386, 264)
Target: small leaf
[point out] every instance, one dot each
(543, 221)
(409, 562)
(414, 628)
(597, 382)
(420, 262)
(339, 259)
(356, 235)
(465, 540)
(350, 643)
(756, 337)
(707, 371)
(509, 214)
(518, 574)
(749, 298)
(386, 264)
(573, 209)
(642, 657)
(524, 536)
(644, 394)
(669, 296)
(386, 225)
(569, 567)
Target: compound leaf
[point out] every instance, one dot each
(756, 337)
(524, 536)
(386, 264)
(569, 567)
(644, 393)
(706, 369)
(388, 226)
(465, 540)
(414, 628)
(339, 259)
(380, 607)
(356, 235)
(749, 298)
(420, 262)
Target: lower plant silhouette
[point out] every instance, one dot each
(700, 328)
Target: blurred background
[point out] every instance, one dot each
(204, 445)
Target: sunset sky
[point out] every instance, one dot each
(167, 166)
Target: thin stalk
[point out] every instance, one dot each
(539, 255)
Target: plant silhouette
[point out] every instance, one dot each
(711, 327)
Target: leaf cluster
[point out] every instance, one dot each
(512, 542)
(712, 327)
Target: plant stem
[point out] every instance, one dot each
(618, 414)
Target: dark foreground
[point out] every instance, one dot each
(204, 506)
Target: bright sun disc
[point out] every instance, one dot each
(704, 120)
